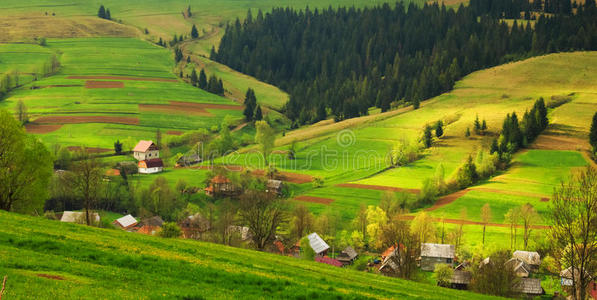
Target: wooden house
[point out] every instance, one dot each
(188, 160)
(145, 150)
(531, 259)
(318, 244)
(521, 268)
(151, 166)
(150, 226)
(530, 287)
(221, 186)
(461, 279)
(125, 222)
(432, 254)
(194, 226)
(388, 265)
(567, 282)
(347, 256)
(275, 186)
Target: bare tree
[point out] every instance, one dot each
(528, 216)
(3, 286)
(574, 229)
(262, 212)
(86, 179)
(397, 233)
(361, 222)
(227, 214)
(302, 220)
(512, 217)
(485, 216)
(460, 230)
(22, 114)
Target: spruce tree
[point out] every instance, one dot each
(194, 77)
(439, 129)
(102, 12)
(593, 133)
(189, 13)
(202, 83)
(468, 132)
(321, 113)
(108, 16)
(427, 137)
(250, 104)
(477, 125)
(416, 103)
(484, 126)
(258, 114)
(220, 87)
(194, 32)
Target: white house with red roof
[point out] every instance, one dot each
(148, 155)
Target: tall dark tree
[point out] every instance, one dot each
(258, 114)
(202, 83)
(593, 133)
(108, 15)
(439, 128)
(194, 78)
(102, 12)
(427, 137)
(250, 105)
(118, 147)
(194, 32)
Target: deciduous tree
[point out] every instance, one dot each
(265, 137)
(263, 213)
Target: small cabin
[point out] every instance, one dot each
(125, 222)
(460, 279)
(521, 268)
(531, 287)
(347, 256)
(275, 186)
(433, 254)
(318, 244)
(221, 186)
(146, 150)
(151, 166)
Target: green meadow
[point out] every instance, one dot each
(49, 259)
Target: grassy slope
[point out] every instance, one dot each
(113, 264)
(114, 56)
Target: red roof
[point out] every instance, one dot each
(280, 246)
(153, 163)
(388, 251)
(220, 179)
(328, 260)
(143, 146)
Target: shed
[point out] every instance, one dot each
(329, 261)
(521, 268)
(532, 259)
(432, 254)
(78, 217)
(274, 186)
(347, 256)
(530, 287)
(125, 222)
(460, 279)
(318, 244)
(221, 186)
(189, 160)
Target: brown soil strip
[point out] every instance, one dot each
(284, 176)
(468, 222)
(544, 199)
(86, 119)
(445, 200)
(313, 199)
(559, 142)
(90, 84)
(175, 109)
(123, 78)
(41, 129)
(377, 187)
(89, 150)
(55, 277)
(174, 132)
(207, 105)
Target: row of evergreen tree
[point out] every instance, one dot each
(252, 111)
(214, 85)
(518, 134)
(346, 60)
(514, 9)
(104, 13)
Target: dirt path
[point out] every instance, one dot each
(312, 199)
(377, 187)
(445, 200)
(468, 222)
(239, 127)
(108, 77)
(92, 84)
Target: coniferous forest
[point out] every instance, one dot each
(343, 61)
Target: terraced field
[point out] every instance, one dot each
(115, 88)
(82, 262)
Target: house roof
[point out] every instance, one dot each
(518, 265)
(388, 262)
(153, 221)
(273, 183)
(349, 252)
(153, 163)
(388, 251)
(461, 277)
(143, 146)
(437, 250)
(530, 286)
(317, 243)
(329, 261)
(567, 273)
(462, 266)
(74, 216)
(126, 221)
(531, 258)
(220, 179)
(280, 246)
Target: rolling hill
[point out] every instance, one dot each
(49, 259)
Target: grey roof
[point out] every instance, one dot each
(350, 252)
(530, 286)
(388, 262)
(153, 221)
(531, 258)
(74, 216)
(519, 266)
(126, 221)
(461, 277)
(437, 250)
(317, 243)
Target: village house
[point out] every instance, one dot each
(221, 186)
(318, 244)
(567, 282)
(194, 226)
(388, 266)
(78, 217)
(531, 259)
(460, 279)
(432, 254)
(150, 226)
(151, 166)
(347, 256)
(188, 160)
(275, 186)
(125, 222)
(531, 287)
(148, 155)
(521, 268)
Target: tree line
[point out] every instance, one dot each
(342, 61)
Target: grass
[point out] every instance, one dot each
(113, 264)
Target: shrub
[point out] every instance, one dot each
(318, 182)
(443, 274)
(170, 230)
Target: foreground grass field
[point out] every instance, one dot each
(49, 259)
